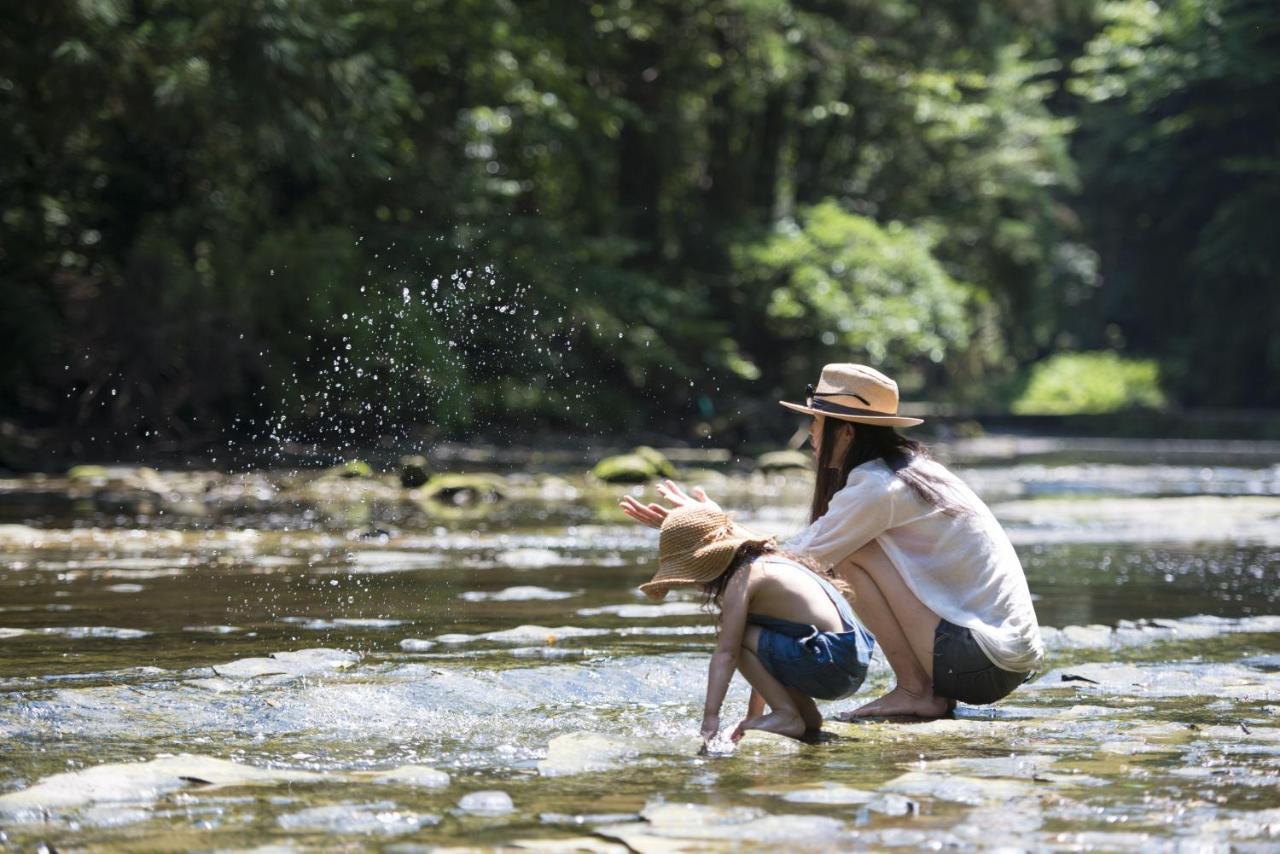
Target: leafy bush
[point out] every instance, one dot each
(875, 292)
(1078, 383)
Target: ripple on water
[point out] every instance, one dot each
(518, 594)
(525, 634)
(647, 612)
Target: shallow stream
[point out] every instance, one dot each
(192, 660)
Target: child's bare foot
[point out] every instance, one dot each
(783, 723)
(902, 703)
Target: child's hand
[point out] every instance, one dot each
(710, 727)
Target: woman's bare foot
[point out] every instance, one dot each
(783, 723)
(901, 702)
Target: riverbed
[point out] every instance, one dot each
(318, 660)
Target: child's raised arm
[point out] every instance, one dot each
(724, 661)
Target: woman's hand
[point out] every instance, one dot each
(652, 515)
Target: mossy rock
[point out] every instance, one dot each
(661, 465)
(88, 473)
(414, 471)
(784, 461)
(624, 468)
(350, 469)
(464, 488)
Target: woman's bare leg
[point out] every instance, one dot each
(785, 717)
(903, 626)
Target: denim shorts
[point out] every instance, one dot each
(822, 665)
(962, 671)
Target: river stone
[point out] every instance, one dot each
(569, 845)
(583, 752)
(658, 460)
(957, 788)
(416, 644)
(755, 742)
(625, 468)
(829, 793)
(1024, 766)
(414, 471)
(488, 802)
(303, 662)
(784, 461)
(462, 489)
(135, 782)
(414, 775)
(743, 825)
(383, 818)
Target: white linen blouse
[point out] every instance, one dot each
(962, 566)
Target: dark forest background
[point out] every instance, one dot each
(334, 219)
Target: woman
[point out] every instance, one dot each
(935, 577)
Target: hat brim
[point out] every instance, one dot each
(884, 420)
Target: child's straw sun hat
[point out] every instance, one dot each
(854, 393)
(696, 545)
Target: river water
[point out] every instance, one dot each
(299, 660)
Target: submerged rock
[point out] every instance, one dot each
(583, 752)
(135, 782)
(957, 788)
(289, 665)
(775, 461)
(725, 825)
(383, 818)
(489, 802)
(414, 775)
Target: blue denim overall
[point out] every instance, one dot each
(822, 665)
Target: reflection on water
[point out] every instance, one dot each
(345, 646)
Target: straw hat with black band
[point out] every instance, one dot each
(854, 393)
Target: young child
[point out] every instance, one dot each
(787, 629)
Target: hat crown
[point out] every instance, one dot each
(696, 545)
(858, 386)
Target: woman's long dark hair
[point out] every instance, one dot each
(876, 442)
(713, 590)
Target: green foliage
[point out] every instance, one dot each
(873, 292)
(1090, 383)
(1183, 174)
(211, 211)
